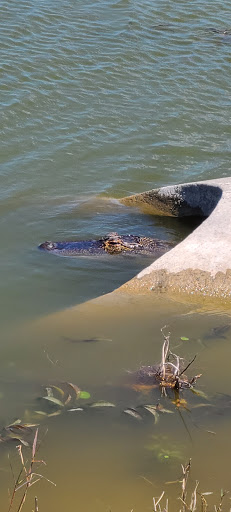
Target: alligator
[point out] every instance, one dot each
(110, 244)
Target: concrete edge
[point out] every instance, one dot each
(201, 264)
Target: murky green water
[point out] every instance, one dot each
(100, 100)
(101, 458)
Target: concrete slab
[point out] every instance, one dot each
(201, 264)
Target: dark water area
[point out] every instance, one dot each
(100, 100)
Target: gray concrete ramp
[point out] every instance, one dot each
(201, 264)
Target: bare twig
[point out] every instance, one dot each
(30, 477)
(185, 470)
(188, 365)
(193, 503)
(156, 503)
(223, 494)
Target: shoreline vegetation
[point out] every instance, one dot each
(28, 476)
(190, 498)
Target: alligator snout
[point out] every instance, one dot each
(47, 246)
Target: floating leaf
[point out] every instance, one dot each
(67, 401)
(53, 400)
(16, 422)
(56, 413)
(199, 393)
(184, 338)
(60, 390)
(16, 438)
(84, 395)
(76, 409)
(42, 413)
(17, 427)
(158, 408)
(132, 412)
(101, 403)
(153, 411)
(30, 425)
(75, 388)
(197, 406)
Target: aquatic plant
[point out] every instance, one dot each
(168, 375)
(61, 398)
(163, 449)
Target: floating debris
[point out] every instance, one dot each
(168, 374)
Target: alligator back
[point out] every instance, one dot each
(110, 244)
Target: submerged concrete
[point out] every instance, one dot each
(201, 264)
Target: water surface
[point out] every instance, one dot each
(100, 100)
